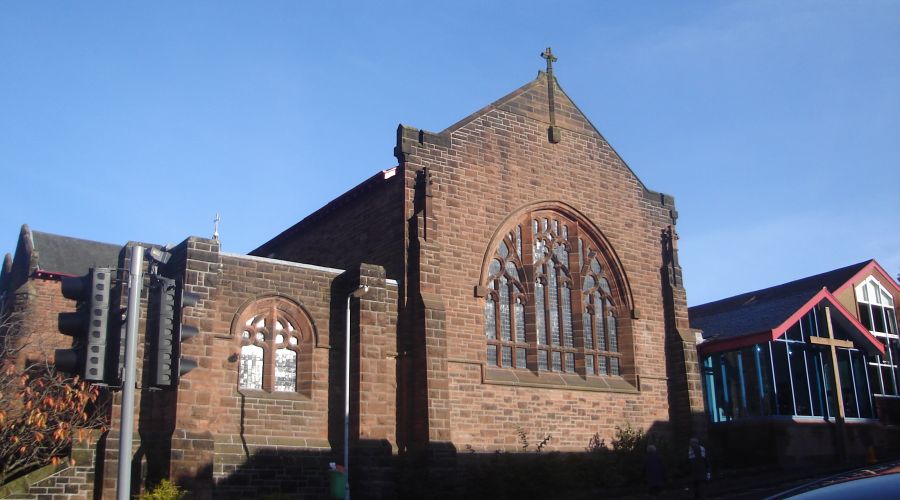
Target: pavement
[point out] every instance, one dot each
(768, 484)
(878, 469)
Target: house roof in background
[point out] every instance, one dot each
(762, 310)
(72, 256)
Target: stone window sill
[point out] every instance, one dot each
(260, 394)
(550, 380)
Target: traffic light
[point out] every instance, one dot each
(168, 331)
(88, 324)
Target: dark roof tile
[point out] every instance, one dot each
(72, 256)
(762, 310)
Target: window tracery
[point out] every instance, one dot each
(276, 340)
(553, 294)
(549, 304)
(601, 343)
(504, 306)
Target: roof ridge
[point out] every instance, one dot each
(816, 278)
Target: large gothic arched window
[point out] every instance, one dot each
(552, 302)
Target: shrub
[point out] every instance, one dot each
(165, 490)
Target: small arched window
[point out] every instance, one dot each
(276, 343)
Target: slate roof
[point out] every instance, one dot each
(72, 256)
(765, 309)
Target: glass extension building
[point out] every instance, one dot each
(814, 350)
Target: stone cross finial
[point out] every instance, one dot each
(553, 131)
(548, 55)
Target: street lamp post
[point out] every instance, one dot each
(359, 292)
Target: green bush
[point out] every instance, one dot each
(165, 490)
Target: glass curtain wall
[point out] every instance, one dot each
(876, 312)
(787, 377)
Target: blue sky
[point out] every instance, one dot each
(776, 125)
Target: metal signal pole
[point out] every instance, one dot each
(135, 285)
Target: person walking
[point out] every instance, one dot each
(654, 471)
(699, 467)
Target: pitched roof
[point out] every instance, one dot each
(765, 309)
(72, 256)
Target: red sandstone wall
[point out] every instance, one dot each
(363, 225)
(43, 301)
(497, 162)
(248, 440)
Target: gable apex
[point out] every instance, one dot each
(532, 101)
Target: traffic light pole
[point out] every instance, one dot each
(135, 285)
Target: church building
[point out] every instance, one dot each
(521, 279)
(806, 371)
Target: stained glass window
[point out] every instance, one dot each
(552, 294)
(251, 369)
(490, 319)
(557, 361)
(285, 370)
(542, 361)
(505, 320)
(559, 333)
(504, 303)
(565, 301)
(271, 345)
(539, 315)
(599, 321)
(520, 321)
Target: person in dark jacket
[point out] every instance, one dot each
(654, 471)
(699, 467)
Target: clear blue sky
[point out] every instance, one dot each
(776, 125)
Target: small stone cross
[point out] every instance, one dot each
(548, 55)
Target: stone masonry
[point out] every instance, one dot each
(420, 236)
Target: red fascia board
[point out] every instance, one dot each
(714, 346)
(868, 269)
(765, 336)
(824, 294)
(50, 275)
